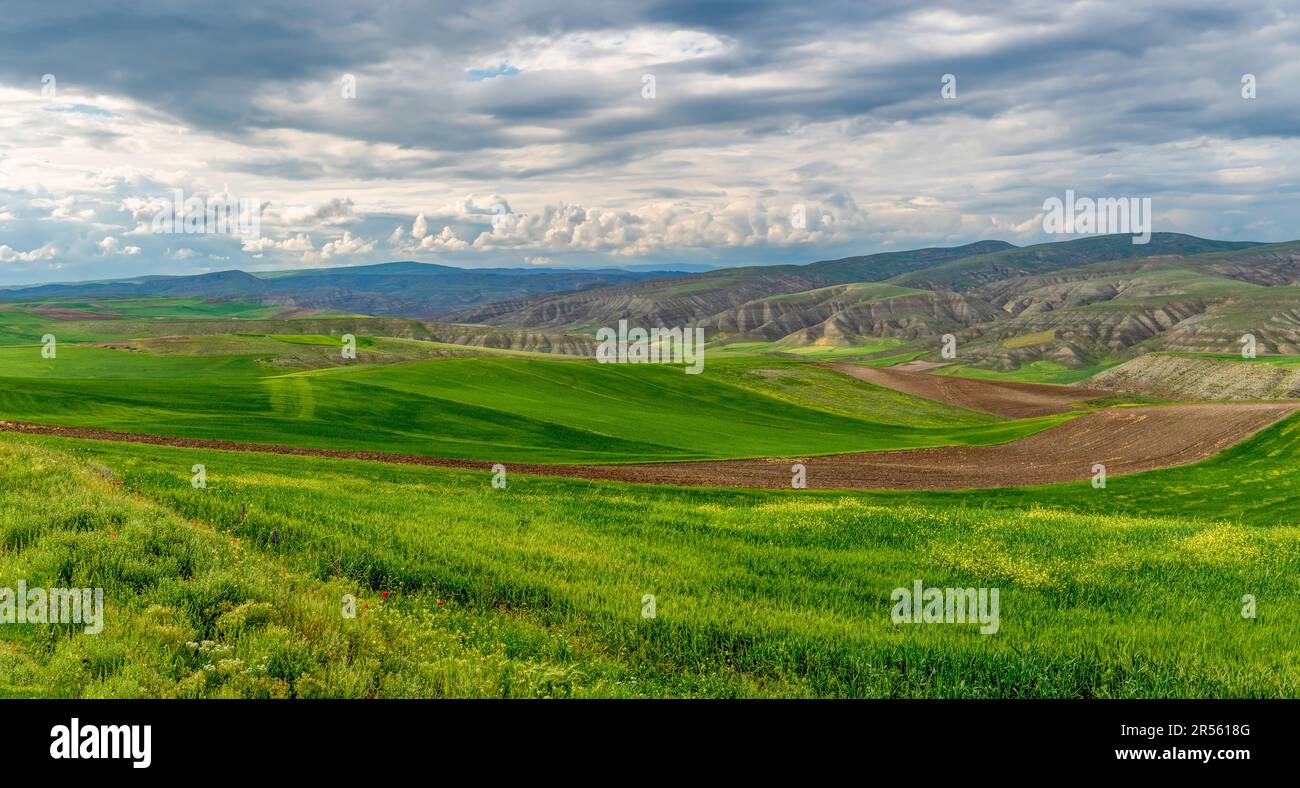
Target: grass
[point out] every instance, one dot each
(858, 292)
(1255, 484)
(1029, 340)
(1041, 371)
(1285, 362)
(484, 408)
(818, 352)
(194, 612)
(757, 592)
(535, 590)
(826, 390)
(119, 319)
(823, 352)
(73, 320)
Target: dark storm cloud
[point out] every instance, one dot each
(768, 100)
(207, 66)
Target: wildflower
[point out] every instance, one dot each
(384, 595)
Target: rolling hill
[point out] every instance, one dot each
(1073, 305)
(406, 289)
(693, 299)
(1048, 310)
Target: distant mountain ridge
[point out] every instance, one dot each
(407, 289)
(692, 299)
(1075, 303)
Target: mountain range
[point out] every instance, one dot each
(1075, 303)
(405, 289)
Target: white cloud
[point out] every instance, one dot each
(605, 50)
(444, 240)
(110, 245)
(755, 114)
(346, 245)
(667, 225)
(335, 211)
(10, 255)
(62, 209)
(298, 243)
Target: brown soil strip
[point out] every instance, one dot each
(1001, 398)
(1125, 440)
(919, 366)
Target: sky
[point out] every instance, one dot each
(591, 133)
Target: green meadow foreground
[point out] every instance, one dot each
(537, 589)
(541, 588)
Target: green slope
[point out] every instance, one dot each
(505, 408)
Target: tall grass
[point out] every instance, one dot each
(757, 593)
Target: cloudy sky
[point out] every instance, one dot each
(595, 133)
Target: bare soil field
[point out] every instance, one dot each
(1000, 398)
(1125, 440)
(919, 366)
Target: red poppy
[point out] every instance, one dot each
(439, 603)
(384, 595)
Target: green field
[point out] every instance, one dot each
(818, 352)
(73, 320)
(537, 589)
(541, 583)
(488, 407)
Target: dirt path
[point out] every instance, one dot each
(1001, 398)
(1125, 440)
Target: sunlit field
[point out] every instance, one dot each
(537, 589)
(319, 577)
(487, 407)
